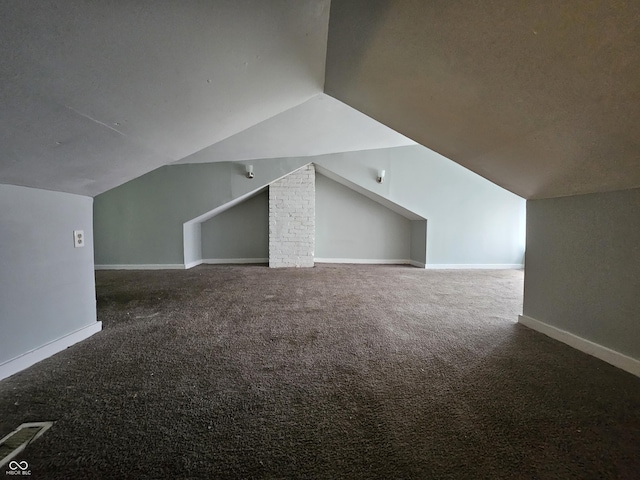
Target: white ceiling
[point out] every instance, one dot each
(319, 126)
(95, 93)
(542, 98)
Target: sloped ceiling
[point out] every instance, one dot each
(541, 97)
(95, 93)
(320, 126)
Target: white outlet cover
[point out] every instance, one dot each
(78, 238)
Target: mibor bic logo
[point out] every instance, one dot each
(13, 444)
(18, 468)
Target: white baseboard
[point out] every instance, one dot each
(474, 266)
(223, 261)
(25, 360)
(364, 261)
(612, 357)
(180, 266)
(454, 266)
(131, 266)
(189, 265)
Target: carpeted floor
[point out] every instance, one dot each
(342, 371)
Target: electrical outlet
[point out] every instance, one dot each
(78, 238)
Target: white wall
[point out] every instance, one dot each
(47, 287)
(352, 226)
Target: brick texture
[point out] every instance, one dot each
(292, 219)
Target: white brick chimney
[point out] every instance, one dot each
(292, 219)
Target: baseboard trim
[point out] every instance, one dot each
(25, 360)
(605, 354)
(224, 261)
(180, 266)
(131, 266)
(364, 261)
(189, 265)
(474, 266)
(442, 266)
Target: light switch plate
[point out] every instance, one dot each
(78, 238)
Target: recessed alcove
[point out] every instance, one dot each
(353, 225)
(238, 235)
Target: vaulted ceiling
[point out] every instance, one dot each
(95, 93)
(319, 126)
(542, 98)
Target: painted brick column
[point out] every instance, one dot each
(292, 219)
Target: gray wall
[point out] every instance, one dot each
(350, 225)
(419, 245)
(240, 232)
(470, 220)
(583, 267)
(141, 221)
(47, 287)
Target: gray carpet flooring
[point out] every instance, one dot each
(339, 371)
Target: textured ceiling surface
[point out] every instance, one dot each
(96, 93)
(319, 126)
(542, 98)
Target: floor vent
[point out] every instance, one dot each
(17, 441)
